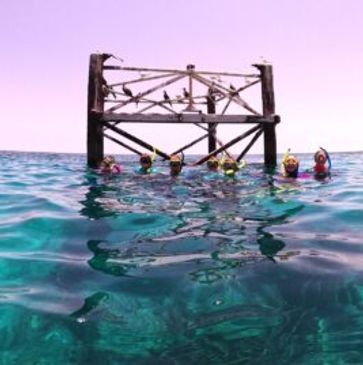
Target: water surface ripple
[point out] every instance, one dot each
(149, 269)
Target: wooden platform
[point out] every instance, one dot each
(113, 103)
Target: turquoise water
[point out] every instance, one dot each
(140, 269)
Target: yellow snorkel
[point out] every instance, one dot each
(153, 157)
(289, 165)
(242, 164)
(283, 162)
(229, 172)
(229, 167)
(232, 165)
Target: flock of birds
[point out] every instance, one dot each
(212, 93)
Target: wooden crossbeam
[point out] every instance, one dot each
(147, 92)
(228, 144)
(122, 144)
(145, 69)
(161, 104)
(186, 118)
(136, 140)
(190, 144)
(250, 144)
(141, 79)
(227, 105)
(227, 93)
(221, 144)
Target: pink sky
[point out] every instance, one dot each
(314, 46)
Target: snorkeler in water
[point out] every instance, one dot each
(213, 164)
(230, 166)
(289, 165)
(176, 164)
(109, 166)
(322, 165)
(146, 163)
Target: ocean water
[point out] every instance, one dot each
(149, 269)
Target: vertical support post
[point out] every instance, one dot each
(212, 128)
(190, 107)
(268, 103)
(94, 109)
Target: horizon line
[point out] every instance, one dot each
(192, 154)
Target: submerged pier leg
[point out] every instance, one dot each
(95, 108)
(212, 128)
(268, 103)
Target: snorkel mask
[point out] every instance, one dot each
(229, 167)
(175, 164)
(320, 157)
(145, 161)
(291, 165)
(213, 163)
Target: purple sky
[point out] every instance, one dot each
(314, 46)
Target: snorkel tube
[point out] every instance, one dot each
(327, 157)
(182, 158)
(153, 156)
(283, 162)
(233, 165)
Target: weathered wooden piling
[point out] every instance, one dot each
(212, 128)
(268, 104)
(95, 110)
(105, 100)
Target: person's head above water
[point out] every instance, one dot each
(109, 165)
(108, 160)
(290, 165)
(146, 161)
(321, 158)
(213, 164)
(176, 164)
(229, 166)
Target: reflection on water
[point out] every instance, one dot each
(145, 269)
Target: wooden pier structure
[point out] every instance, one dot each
(111, 104)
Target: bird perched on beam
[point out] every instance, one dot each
(234, 91)
(212, 91)
(106, 89)
(185, 93)
(127, 91)
(118, 58)
(137, 99)
(167, 98)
